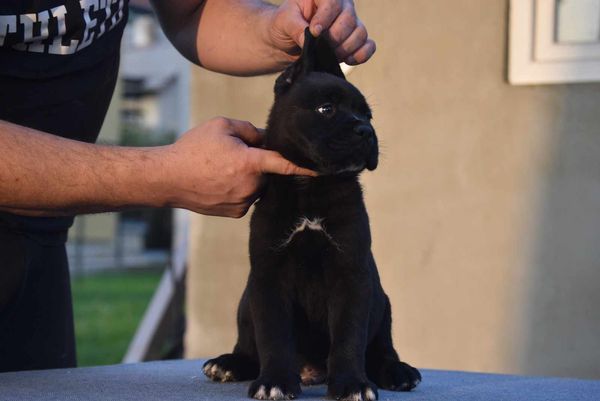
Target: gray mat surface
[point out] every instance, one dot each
(183, 380)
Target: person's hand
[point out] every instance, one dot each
(336, 17)
(217, 168)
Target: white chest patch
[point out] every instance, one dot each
(304, 223)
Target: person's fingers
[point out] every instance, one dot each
(327, 12)
(343, 26)
(260, 189)
(243, 130)
(268, 161)
(299, 38)
(354, 42)
(295, 25)
(240, 211)
(235, 211)
(363, 54)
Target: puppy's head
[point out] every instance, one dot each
(319, 120)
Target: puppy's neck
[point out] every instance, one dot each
(322, 183)
(314, 193)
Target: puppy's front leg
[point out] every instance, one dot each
(272, 316)
(348, 311)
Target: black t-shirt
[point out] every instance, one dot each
(59, 61)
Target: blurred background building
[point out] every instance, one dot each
(485, 210)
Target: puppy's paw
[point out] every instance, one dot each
(398, 376)
(230, 367)
(275, 387)
(349, 388)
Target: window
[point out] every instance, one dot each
(554, 41)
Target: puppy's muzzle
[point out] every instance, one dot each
(366, 133)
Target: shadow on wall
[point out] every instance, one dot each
(562, 316)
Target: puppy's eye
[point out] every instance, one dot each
(326, 109)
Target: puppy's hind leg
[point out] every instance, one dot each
(383, 365)
(242, 364)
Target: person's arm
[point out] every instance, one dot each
(251, 37)
(210, 170)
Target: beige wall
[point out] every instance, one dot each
(485, 210)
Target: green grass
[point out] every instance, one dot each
(107, 309)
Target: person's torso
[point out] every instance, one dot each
(59, 63)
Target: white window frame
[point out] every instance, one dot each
(534, 55)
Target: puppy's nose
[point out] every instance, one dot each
(364, 131)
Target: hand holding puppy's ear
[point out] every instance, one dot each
(317, 56)
(346, 33)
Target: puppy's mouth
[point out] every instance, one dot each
(373, 157)
(343, 154)
(370, 164)
(364, 156)
(355, 165)
(352, 168)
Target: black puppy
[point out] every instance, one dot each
(313, 309)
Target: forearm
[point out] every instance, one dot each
(41, 174)
(228, 36)
(238, 44)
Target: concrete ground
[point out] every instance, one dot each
(183, 380)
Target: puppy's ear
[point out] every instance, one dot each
(324, 58)
(317, 56)
(288, 77)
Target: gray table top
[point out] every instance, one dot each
(183, 380)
